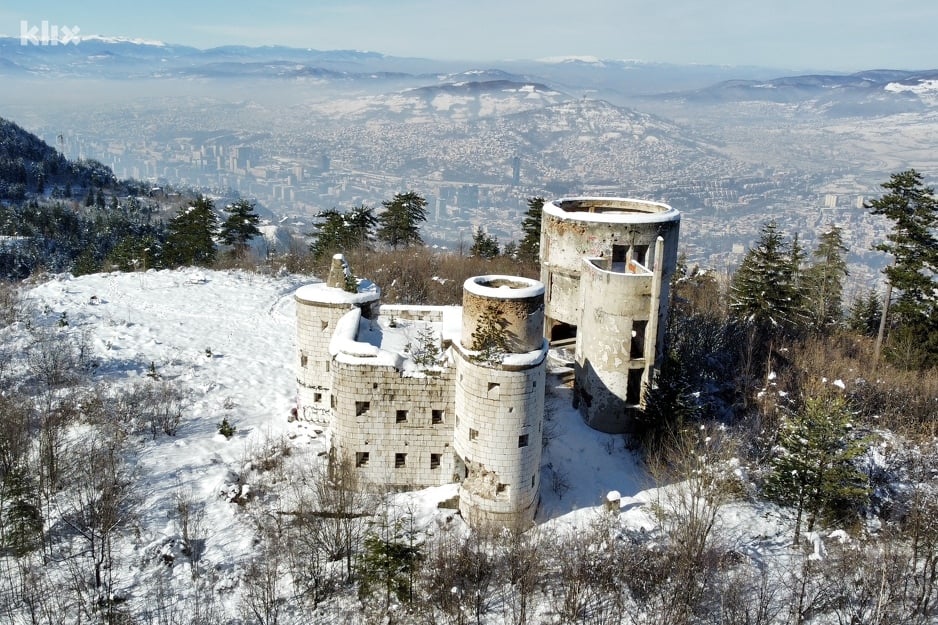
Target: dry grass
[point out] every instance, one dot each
(884, 397)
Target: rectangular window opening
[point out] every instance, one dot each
(523, 440)
(637, 347)
(633, 394)
(317, 397)
(400, 416)
(304, 360)
(361, 407)
(473, 434)
(436, 416)
(361, 458)
(400, 461)
(501, 489)
(435, 461)
(640, 254)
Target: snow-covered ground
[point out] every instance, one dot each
(226, 339)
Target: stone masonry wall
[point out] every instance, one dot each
(499, 418)
(403, 424)
(315, 323)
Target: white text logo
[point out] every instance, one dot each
(48, 34)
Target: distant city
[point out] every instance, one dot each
(478, 144)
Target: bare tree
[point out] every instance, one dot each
(523, 567)
(99, 501)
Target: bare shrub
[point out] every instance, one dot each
(10, 304)
(328, 514)
(58, 358)
(151, 407)
(523, 566)
(188, 518)
(588, 583)
(261, 598)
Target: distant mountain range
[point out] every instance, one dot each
(123, 58)
(870, 92)
(620, 81)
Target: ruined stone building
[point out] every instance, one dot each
(415, 398)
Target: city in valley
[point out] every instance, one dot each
(286, 128)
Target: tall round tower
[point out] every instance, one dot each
(607, 264)
(612, 230)
(318, 308)
(499, 399)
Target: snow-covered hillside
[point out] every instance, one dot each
(225, 340)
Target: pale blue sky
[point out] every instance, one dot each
(840, 35)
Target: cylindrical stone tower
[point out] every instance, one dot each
(616, 341)
(607, 265)
(611, 230)
(499, 399)
(318, 308)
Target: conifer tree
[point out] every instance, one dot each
(530, 246)
(483, 245)
(813, 467)
(490, 338)
(190, 235)
(399, 224)
(824, 281)
(913, 244)
(865, 313)
(22, 515)
(329, 233)
(342, 232)
(764, 291)
(510, 250)
(240, 227)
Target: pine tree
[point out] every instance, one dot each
(813, 467)
(865, 313)
(426, 352)
(190, 235)
(329, 233)
(764, 290)
(342, 232)
(399, 224)
(530, 246)
(913, 244)
(22, 515)
(483, 245)
(490, 338)
(361, 223)
(240, 227)
(824, 281)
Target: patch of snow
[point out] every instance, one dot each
(504, 287)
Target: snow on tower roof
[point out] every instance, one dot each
(504, 287)
(320, 293)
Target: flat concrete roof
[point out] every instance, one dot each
(610, 210)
